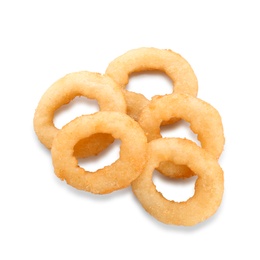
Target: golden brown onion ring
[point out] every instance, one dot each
(116, 176)
(204, 120)
(87, 84)
(146, 59)
(209, 185)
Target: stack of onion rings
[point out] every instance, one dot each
(136, 121)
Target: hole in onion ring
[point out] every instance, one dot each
(77, 107)
(174, 189)
(150, 83)
(179, 129)
(104, 158)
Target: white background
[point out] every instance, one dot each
(41, 41)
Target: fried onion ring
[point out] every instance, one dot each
(116, 176)
(209, 185)
(87, 84)
(147, 59)
(203, 118)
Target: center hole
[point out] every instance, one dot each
(76, 107)
(179, 129)
(174, 189)
(104, 158)
(150, 83)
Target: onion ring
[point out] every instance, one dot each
(118, 175)
(209, 185)
(87, 84)
(147, 59)
(203, 118)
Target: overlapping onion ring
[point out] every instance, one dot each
(118, 175)
(87, 84)
(209, 185)
(146, 59)
(204, 120)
